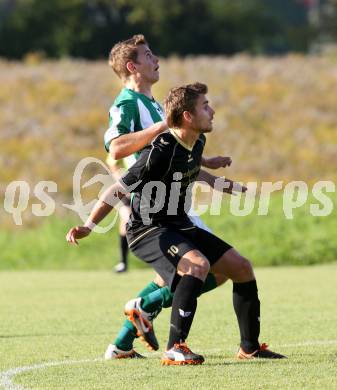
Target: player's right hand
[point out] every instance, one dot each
(77, 233)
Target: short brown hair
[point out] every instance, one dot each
(182, 99)
(123, 52)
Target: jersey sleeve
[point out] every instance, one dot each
(122, 118)
(132, 178)
(153, 165)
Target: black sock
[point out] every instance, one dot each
(183, 308)
(247, 308)
(124, 249)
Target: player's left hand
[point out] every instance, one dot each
(237, 187)
(77, 233)
(233, 188)
(217, 162)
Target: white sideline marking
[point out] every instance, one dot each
(6, 377)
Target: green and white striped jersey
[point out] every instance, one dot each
(131, 111)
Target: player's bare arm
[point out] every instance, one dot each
(221, 183)
(102, 208)
(216, 162)
(127, 144)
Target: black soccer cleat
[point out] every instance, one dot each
(262, 353)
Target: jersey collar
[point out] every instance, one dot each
(141, 94)
(180, 141)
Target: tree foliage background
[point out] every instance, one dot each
(88, 28)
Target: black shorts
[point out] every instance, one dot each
(163, 247)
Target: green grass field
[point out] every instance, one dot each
(62, 321)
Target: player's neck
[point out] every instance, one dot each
(140, 86)
(188, 136)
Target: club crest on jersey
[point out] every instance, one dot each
(163, 142)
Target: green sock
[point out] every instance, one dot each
(209, 284)
(125, 337)
(128, 332)
(149, 288)
(163, 297)
(167, 297)
(155, 301)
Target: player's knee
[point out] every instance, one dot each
(201, 270)
(206, 267)
(246, 268)
(195, 264)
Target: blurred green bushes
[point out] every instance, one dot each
(265, 240)
(86, 28)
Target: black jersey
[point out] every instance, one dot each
(161, 181)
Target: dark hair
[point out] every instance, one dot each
(182, 99)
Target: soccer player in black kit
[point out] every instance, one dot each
(161, 234)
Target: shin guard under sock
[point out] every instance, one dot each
(125, 337)
(183, 308)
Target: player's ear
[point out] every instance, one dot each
(187, 116)
(130, 66)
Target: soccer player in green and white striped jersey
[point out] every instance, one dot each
(135, 114)
(132, 112)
